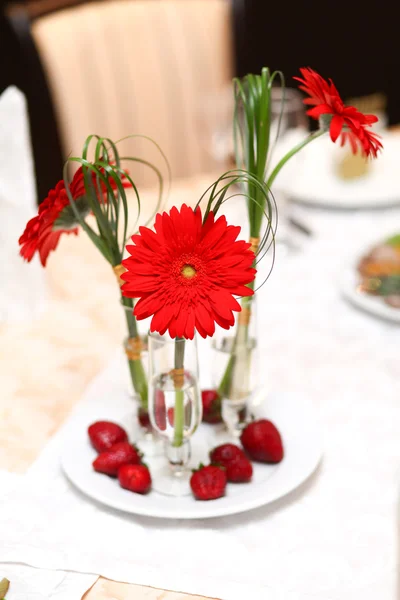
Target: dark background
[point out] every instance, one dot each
(355, 44)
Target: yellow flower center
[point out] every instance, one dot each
(188, 271)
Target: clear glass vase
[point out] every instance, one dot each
(175, 408)
(136, 351)
(235, 369)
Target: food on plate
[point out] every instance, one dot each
(144, 418)
(225, 453)
(135, 478)
(238, 467)
(104, 434)
(239, 470)
(208, 483)
(379, 271)
(111, 460)
(262, 441)
(211, 406)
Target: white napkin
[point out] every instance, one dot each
(22, 288)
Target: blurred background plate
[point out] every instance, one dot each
(323, 175)
(371, 304)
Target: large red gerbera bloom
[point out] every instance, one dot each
(41, 233)
(325, 99)
(186, 273)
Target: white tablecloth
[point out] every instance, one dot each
(39, 584)
(333, 539)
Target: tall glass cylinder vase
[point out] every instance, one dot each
(236, 368)
(175, 408)
(136, 352)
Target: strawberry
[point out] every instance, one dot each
(143, 418)
(171, 415)
(104, 434)
(239, 470)
(135, 478)
(237, 465)
(111, 460)
(160, 414)
(211, 406)
(208, 483)
(225, 453)
(187, 414)
(262, 441)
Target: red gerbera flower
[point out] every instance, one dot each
(325, 99)
(187, 272)
(368, 140)
(41, 233)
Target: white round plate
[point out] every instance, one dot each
(311, 176)
(371, 304)
(293, 415)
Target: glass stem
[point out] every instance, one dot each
(178, 456)
(227, 387)
(136, 369)
(179, 411)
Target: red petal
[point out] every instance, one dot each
(151, 239)
(317, 111)
(190, 323)
(204, 318)
(336, 127)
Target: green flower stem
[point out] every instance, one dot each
(136, 369)
(179, 411)
(291, 153)
(225, 385)
(225, 389)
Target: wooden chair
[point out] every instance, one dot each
(137, 66)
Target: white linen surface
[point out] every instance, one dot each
(29, 583)
(336, 537)
(22, 290)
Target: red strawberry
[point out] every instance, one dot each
(237, 465)
(239, 470)
(143, 418)
(211, 406)
(187, 414)
(104, 434)
(160, 414)
(171, 415)
(225, 453)
(135, 478)
(208, 483)
(262, 441)
(111, 460)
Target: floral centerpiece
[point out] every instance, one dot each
(186, 274)
(98, 189)
(254, 153)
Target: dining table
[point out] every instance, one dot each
(46, 363)
(316, 343)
